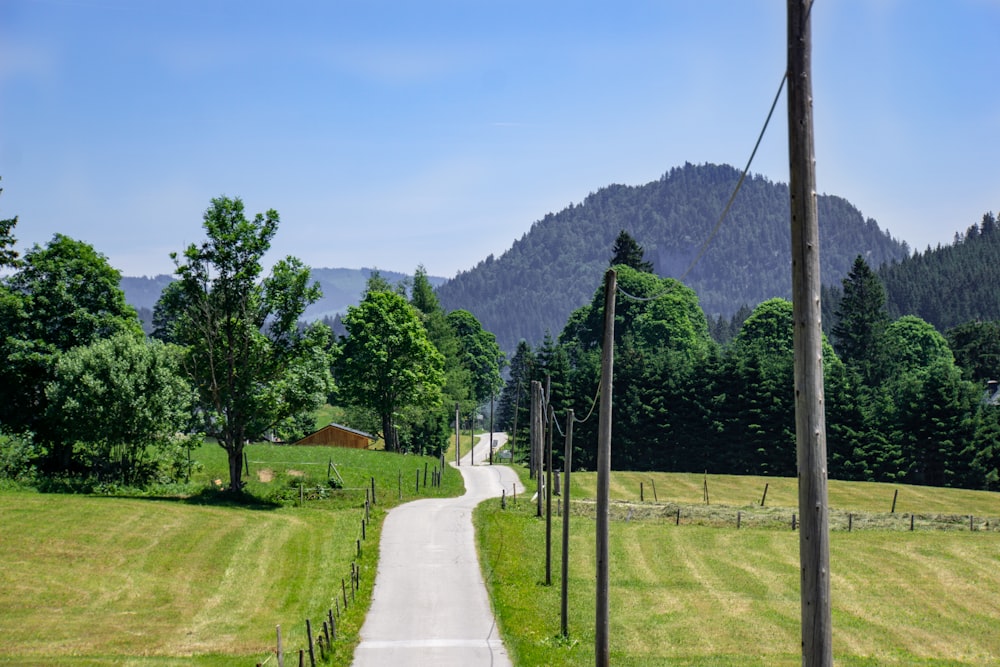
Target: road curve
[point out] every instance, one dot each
(429, 604)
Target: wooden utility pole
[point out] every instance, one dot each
(548, 495)
(568, 466)
(601, 639)
(513, 436)
(537, 433)
(458, 439)
(491, 429)
(810, 419)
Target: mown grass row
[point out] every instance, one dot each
(705, 593)
(197, 579)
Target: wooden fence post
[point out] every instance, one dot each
(281, 652)
(309, 634)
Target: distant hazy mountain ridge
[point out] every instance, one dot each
(341, 288)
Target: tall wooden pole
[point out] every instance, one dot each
(532, 430)
(548, 495)
(601, 638)
(513, 436)
(458, 439)
(568, 465)
(491, 429)
(537, 434)
(810, 419)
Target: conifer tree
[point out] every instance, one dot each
(861, 321)
(628, 252)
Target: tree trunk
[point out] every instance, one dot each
(234, 450)
(388, 433)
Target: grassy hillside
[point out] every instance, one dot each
(197, 581)
(705, 593)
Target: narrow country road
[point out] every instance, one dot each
(429, 604)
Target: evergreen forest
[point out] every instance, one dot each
(904, 402)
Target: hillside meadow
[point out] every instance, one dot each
(198, 580)
(703, 592)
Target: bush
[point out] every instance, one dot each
(18, 454)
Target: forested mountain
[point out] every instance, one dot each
(949, 285)
(554, 267)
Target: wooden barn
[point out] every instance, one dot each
(337, 435)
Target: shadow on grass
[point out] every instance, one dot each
(205, 496)
(226, 498)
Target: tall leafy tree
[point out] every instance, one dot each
(428, 430)
(122, 400)
(480, 354)
(387, 363)
(8, 256)
(64, 295)
(913, 344)
(249, 361)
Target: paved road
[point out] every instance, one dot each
(429, 605)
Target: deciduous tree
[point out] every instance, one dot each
(249, 361)
(387, 363)
(480, 354)
(64, 295)
(8, 256)
(121, 401)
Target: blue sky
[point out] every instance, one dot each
(392, 134)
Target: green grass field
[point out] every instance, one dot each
(705, 593)
(156, 581)
(88, 580)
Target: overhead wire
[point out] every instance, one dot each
(708, 240)
(729, 203)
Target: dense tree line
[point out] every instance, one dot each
(548, 273)
(901, 404)
(951, 284)
(89, 401)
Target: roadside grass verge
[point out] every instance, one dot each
(705, 593)
(199, 579)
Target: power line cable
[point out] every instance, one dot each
(729, 203)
